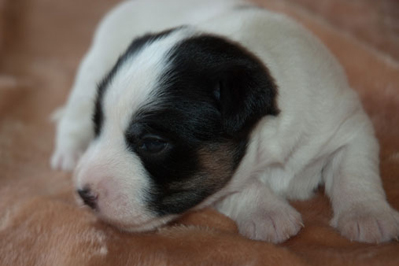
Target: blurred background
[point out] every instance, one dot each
(26, 24)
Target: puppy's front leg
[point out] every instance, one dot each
(260, 214)
(75, 128)
(361, 212)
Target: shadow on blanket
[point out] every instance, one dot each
(41, 44)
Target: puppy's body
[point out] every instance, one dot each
(304, 128)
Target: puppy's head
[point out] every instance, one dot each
(172, 121)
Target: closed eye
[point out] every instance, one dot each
(152, 145)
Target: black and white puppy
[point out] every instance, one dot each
(183, 104)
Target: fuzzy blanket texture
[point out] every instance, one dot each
(41, 44)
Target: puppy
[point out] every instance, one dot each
(183, 104)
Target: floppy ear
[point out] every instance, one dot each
(247, 93)
(241, 84)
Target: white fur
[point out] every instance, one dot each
(322, 134)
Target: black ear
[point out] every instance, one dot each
(238, 81)
(247, 93)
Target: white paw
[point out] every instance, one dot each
(65, 159)
(73, 137)
(276, 225)
(368, 225)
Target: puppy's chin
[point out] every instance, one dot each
(144, 226)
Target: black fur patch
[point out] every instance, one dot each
(211, 98)
(134, 48)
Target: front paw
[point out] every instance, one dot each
(72, 140)
(275, 225)
(65, 159)
(368, 225)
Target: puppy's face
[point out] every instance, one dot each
(172, 121)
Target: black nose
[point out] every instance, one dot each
(88, 197)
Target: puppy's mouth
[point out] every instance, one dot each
(126, 223)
